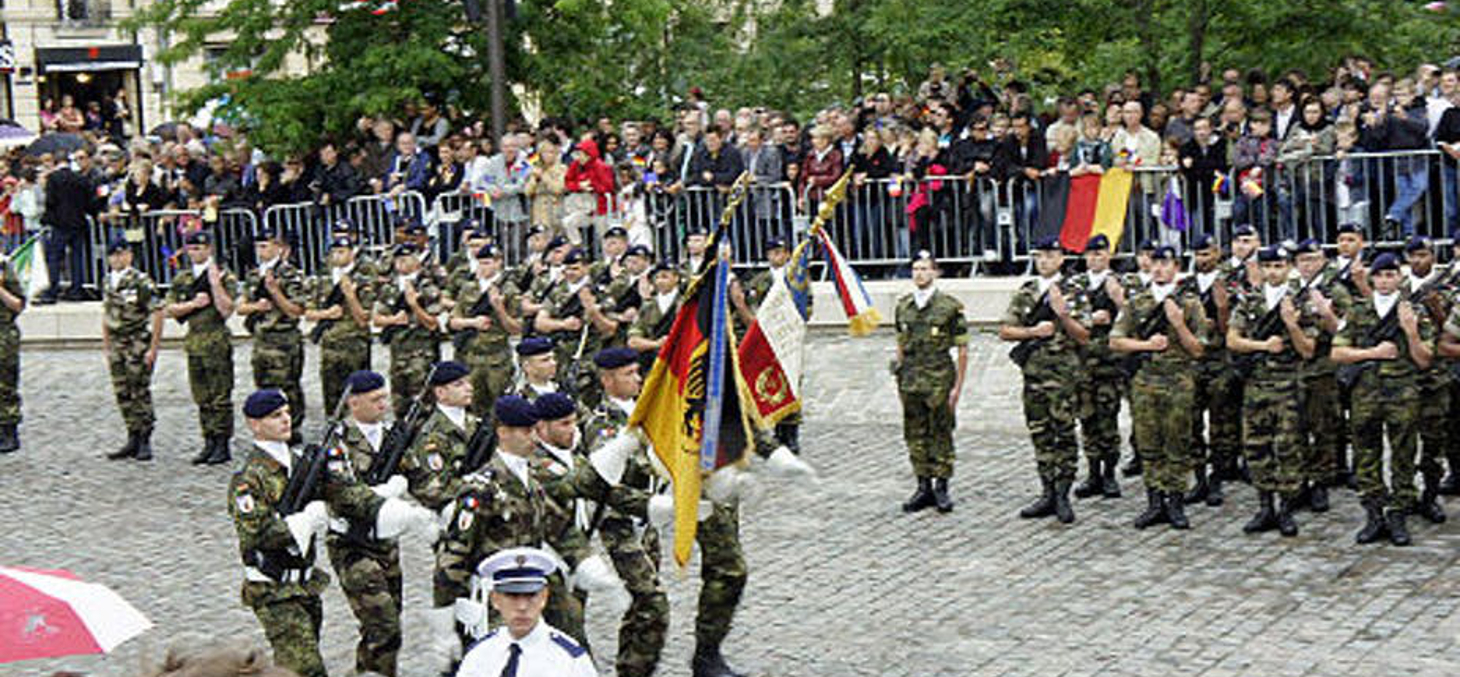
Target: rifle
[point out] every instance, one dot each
(335, 298)
(202, 284)
(1269, 326)
(399, 438)
(1154, 323)
(303, 482)
(388, 334)
(570, 374)
(464, 338)
(260, 293)
(1387, 330)
(1025, 349)
(479, 446)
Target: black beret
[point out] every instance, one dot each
(664, 264)
(639, 250)
(924, 255)
(1310, 246)
(577, 255)
(1385, 261)
(514, 412)
(449, 371)
(269, 232)
(534, 345)
(341, 241)
(264, 402)
(489, 251)
(117, 244)
(1244, 231)
(557, 241)
(1271, 253)
(1417, 243)
(613, 358)
(199, 237)
(553, 406)
(1203, 241)
(344, 225)
(1349, 228)
(406, 248)
(1148, 245)
(364, 381)
(536, 229)
(1164, 252)
(1099, 243)
(615, 231)
(1048, 244)
(775, 243)
(697, 229)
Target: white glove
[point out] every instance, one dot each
(783, 463)
(731, 486)
(303, 525)
(707, 508)
(595, 575)
(397, 517)
(471, 614)
(445, 645)
(661, 510)
(395, 487)
(610, 459)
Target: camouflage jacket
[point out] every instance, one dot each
(760, 285)
(129, 301)
(359, 456)
(1249, 314)
(562, 304)
(1024, 307)
(1358, 332)
(1438, 373)
(631, 497)
(12, 285)
(1204, 287)
(470, 293)
(433, 464)
(925, 335)
(652, 322)
(207, 318)
(291, 286)
(390, 299)
(345, 329)
(1138, 313)
(1096, 355)
(1337, 293)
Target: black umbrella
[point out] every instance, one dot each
(60, 143)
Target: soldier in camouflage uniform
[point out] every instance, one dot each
(538, 367)
(1330, 302)
(1353, 276)
(1218, 390)
(130, 331)
(1104, 383)
(1274, 330)
(539, 276)
(1134, 282)
(281, 584)
(578, 325)
(1049, 317)
(434, 464)
(407, 310)
(610, 266)
(12, 303)
(484, 320)
(1429, 285)
(1392, 344)
(273, 301)
(461, 268)
(1450, 483)
(696, 241)
(929, 381)
(202, 296)
(656, 316)
(1165, 326)
(339, 305)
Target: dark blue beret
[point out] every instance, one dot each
(775, 243)
(514, 412)
(536, 229)
(697, 229)
(1271, 253)
(449, 371)
(268, 232)
(117, 244)
(1385, 261)
(613, 358)
(924, 255)
(1148, 245)
(557, 241)
(1310, 246)
(364, 381)
(553, 406)
(344, 225)
(1349, 228)
(406, 248)
(489, 251)
(341, 241)
(1203, 241)
(616, 231)
(575, 256)
(1048, 244)
(199, 237)
(1164, 252)
(664, 264)
(639, 250)
(1244, 231)
(264, 402)
(1099, 243)
(534, 345)
(1417, 243)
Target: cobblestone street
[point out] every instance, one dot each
(841, 582)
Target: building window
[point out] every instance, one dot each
(83, 12)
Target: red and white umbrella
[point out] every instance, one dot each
(49, 613)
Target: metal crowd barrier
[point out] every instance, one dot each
(375, 218)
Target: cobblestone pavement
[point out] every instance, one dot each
(841, 582)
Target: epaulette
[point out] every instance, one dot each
(479, 640)
(568, 645)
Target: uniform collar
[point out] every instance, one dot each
(1383, 303)
(374, 432)
(564, 456)
(201, 269)
(487, 283)
(1162, 291)
(1272, 294)
(626, 406)
(922, 296)
(457, 415)
(1043, 283)
(337, 273)
(517, 465)
(278, 451)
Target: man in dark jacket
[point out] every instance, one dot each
(1022, 158)
(334, 181)
(1399, 125)
(70, 199)
(1202, 158)
(972, 157)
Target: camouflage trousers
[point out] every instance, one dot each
(9, 375)
(370, 577)
(1452, 425)
(1049, 412)
(1385, 407)
(491, 374)
(927, 427)
(337, 360)
(278, 362)
(1434, 427)
(132, 380)
(292, 628)
(1100, 397)
(409, 366)
(645, 623)
(1161, 407)
(1216, 421)
(1272, 432)
(210, 377)
(722, 575)
(1323, 423)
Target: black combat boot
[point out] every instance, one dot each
(1133, 468)
(1062, 508)
(1318, 497)
(922, 498)
(1042, 506)
(1266, 517)
(9, 439)
(709, 663)
(128, 450)
(1285, 523)
(1398, 530)
(1199, 492)
(1094, 484)
(1450, 486)
(144, 445)
(1429, 504)
(1174, 507)
(1374, 529)
(221, 453)
(940, 495)
(210, 447)
(1109, 485)
(1155, 512)
(1215, 497)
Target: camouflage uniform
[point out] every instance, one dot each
(1216, 418)
(562, 304)
(210, 356)
(1433, 431)
(488, 353)
(925, 377)
(1323, 456)
(344, 347)
(653, 324)
(1103, 384)
(278, 347)
(1162, 392)
(1050, 379)
(413, 348)
(281, 584)
(129, 302)
(1272, 406)
(369, 570)
(433, 464)
(722, 576)
(10, 352)
(565, 517)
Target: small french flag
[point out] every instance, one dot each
(862, 316)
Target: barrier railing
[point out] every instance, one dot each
(374, 217)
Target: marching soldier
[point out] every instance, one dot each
(339, 306)
(461, 267)
(538, 367)
(1166, 327)
(1272, 328)
(1391, 344)
(130, 331)
(273, 302)
(281, 583)
(1217, 388)
(1329, 302)
(540, 276)
(578, 325)
(1048, 318)
(656, 315)
(696, 240)
(610, 266)
(202, 296)
(1450, 484)
(1428, 285)
(407, 309)
(1353, 274)
(483, 321)
(1101, 391)
(435, 461)
(628, 290)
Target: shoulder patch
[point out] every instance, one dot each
(243, 499)
(568, 645)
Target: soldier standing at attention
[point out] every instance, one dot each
(1434, 382)
(12, 303)
(339, 305)
(1166, 326)
(929, 381)
(406, 309)
(130, 331)
(202, 296)
(273, 302)
(1136, 281)
(484, 320)
(1391, 341)
(1329, 302)
(1100, 392)
(1048, 317)
(1218, 389)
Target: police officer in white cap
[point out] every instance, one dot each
(525, 645)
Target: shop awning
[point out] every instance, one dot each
(97, 58)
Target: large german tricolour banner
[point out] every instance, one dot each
(1090, 205)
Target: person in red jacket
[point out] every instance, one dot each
(589, 174)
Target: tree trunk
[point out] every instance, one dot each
(1196, 25)
(1146, 31)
